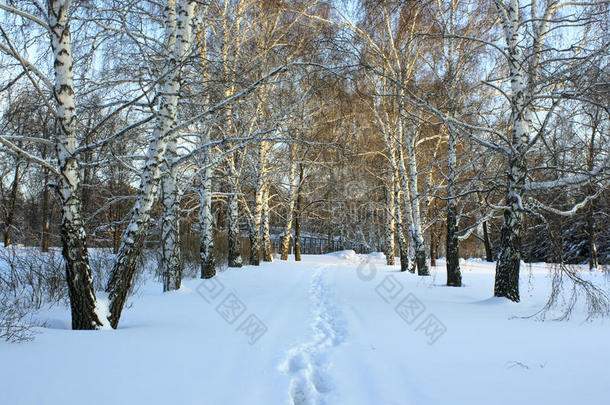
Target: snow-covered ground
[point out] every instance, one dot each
(332, 329)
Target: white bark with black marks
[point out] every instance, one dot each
(406, 195)
(454, 275)
(133, 238)
(390, 227)
(233, 231)
(292, 191)
(255, 234)
(74, 238)
(206, 219)
(170, 263)
(265, 233)
(509, 257)
(417, 232)
(405, 260)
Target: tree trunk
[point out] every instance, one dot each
(390, 228)
(593, 263)
(10, 215)
(290, 207)
(434, 244)
(255, 247)
(266, 237)
(297, 238)
(418, 237)
(233, 230)
(255, 232)
(405, 260)
(416, 245)
(74, 238)
(297, 219)
(487, 242)
(207, 257)
(45, 214)
(116, 239)
(206, 220)
(330, 239)
(509, 257)
(78, 272)
(412, 265)
(454, 275)
(171, 265)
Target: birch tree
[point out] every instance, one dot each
(56, 21)
(207, 253)
(78, 272)
(171, 266)
(456, 20)
(265, 233)
(524, 67)
(178, 33)
(292, 187)
(390, 226)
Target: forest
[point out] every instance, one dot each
(237, 132)
(304, 201)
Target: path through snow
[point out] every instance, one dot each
(308, 363)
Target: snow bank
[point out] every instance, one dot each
(315, 332)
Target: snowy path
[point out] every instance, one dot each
(308, 363)
(318, 332)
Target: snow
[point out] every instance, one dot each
(102, 309)
(334, 329)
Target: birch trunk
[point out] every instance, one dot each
(178, 29)
(207, 256)
(454, 275)
(255, 234)
(593, 262)
(229, 54)
(171, 265)
(233, 231)
(255, 246)
(509, 257)
(418, 236)
(206, 220)
(297, 218)
(390, 227)
(74, 238)
(10, 215)
(290, 207)
(297, 230)
(266, 237)
(487, 242)
(396, 210)
(404, 182)
(434, 244)
(405, 260)
(44, 242)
